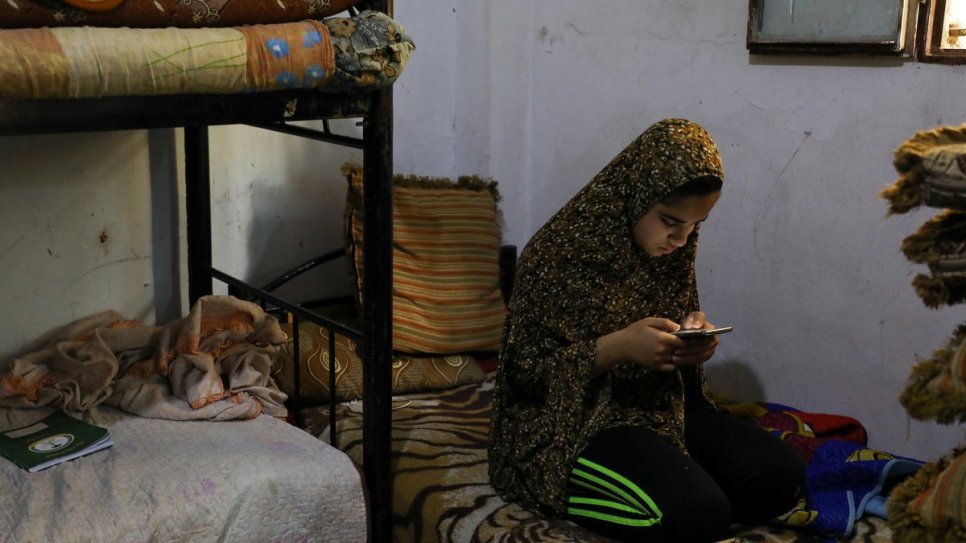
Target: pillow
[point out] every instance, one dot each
(409, 373)
(164, 13)
(446, 266)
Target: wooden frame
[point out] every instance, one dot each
(930, 34)
(830, 27)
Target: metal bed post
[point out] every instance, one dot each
(377, 313)
(198, 209)
(377, 307)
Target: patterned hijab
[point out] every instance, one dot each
(588, 245)
(582, 276)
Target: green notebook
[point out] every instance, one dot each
(52, 440)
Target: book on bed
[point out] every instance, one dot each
(54, 439)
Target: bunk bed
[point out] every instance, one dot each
(46, 103)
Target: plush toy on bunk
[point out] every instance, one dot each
(931, 506)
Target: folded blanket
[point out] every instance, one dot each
(931, 506)
(932, 171)
(213, 364)
(941, 244)
(844, 479)
(937, 386)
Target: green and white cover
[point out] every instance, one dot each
(54, 439)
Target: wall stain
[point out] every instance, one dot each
(107, 265)
(760, 217)
(11, 246)
(550, 38)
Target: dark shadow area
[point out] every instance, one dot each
(734, 380)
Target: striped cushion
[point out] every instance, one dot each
(446, 242)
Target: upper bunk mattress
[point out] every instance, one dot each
(343, 54)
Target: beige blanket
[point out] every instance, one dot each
(213, 364)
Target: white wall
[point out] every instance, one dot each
(278, 200)
(75, 231)
(539, 95)
(78, 233)
(798, 255)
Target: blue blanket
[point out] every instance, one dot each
(844, 478)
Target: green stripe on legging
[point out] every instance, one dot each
(582, 500)
(650, 507)
(614, 519)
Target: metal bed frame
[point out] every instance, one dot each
(272, 111)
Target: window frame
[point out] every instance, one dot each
(929, 35)
(892, 42)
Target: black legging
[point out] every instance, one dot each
(631, 485)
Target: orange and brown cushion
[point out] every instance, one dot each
(409, 373)
(446, 244)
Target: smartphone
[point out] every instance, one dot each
(701, 332)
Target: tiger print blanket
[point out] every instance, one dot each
(441, 488)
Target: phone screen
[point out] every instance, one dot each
(702, 332)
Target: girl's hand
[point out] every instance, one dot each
(646, 342)
(696, 350)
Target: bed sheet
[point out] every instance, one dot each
(441, 483)
(259, 480)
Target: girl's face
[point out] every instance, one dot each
(666, 227)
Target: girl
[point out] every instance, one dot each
(600, 414)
